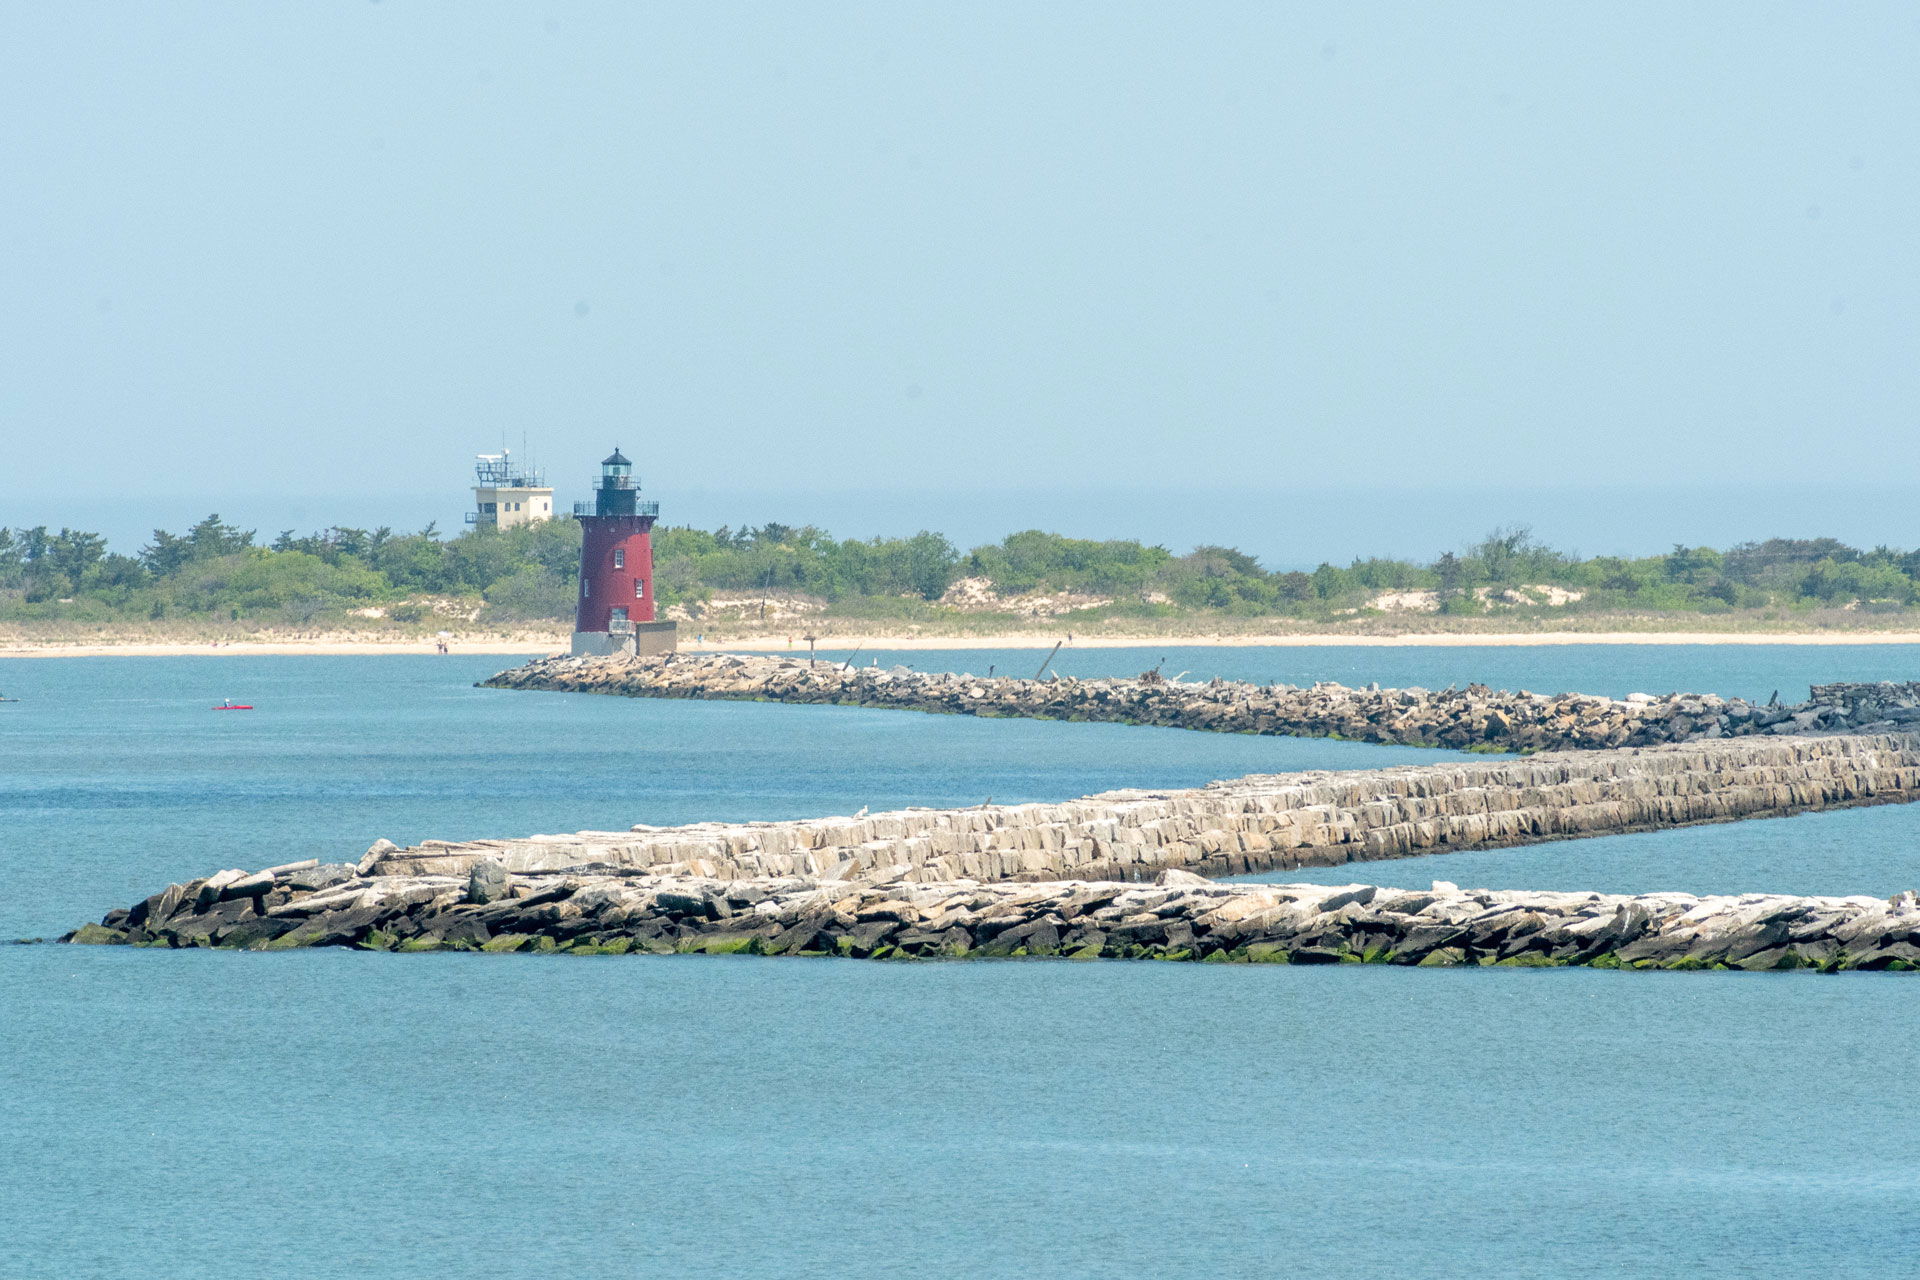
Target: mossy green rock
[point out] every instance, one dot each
(98, 935)
(721, 944)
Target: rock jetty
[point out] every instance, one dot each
(1271, 822)
(1071, 879)
(596, 911)
(1475, 717)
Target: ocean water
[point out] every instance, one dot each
(332, 1114)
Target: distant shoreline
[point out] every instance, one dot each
(842, 645)
(1445, 640)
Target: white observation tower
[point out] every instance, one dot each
(509, 493)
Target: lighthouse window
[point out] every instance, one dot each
(639, 589)
(586, 587)
(619, 557)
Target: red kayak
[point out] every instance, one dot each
(234, 706)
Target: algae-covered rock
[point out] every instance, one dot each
(723, 944)
(95, 935)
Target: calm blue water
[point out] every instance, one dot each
(333, 1114)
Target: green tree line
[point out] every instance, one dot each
(217, 570)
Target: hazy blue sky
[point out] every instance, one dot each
(1313, 278)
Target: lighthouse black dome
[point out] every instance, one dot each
(617, 460)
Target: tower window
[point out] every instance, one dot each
(619, 557)
(586, 587)
(639, 589)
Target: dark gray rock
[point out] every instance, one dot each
(487, 882)
(255, 931)
(338, 928)
(159, 908)
(323, 876)
(678, 903)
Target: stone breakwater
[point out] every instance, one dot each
(1272, 822)
(1184, 917)
(1066, 879)
(1473, 717)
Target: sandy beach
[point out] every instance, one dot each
(844, 644)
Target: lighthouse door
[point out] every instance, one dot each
(619, 614)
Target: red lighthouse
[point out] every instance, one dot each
(616, 607)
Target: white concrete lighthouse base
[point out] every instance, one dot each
(600, 644)
(644, 640)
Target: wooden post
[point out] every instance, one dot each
(1043, 666)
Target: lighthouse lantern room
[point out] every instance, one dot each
(616, 612)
